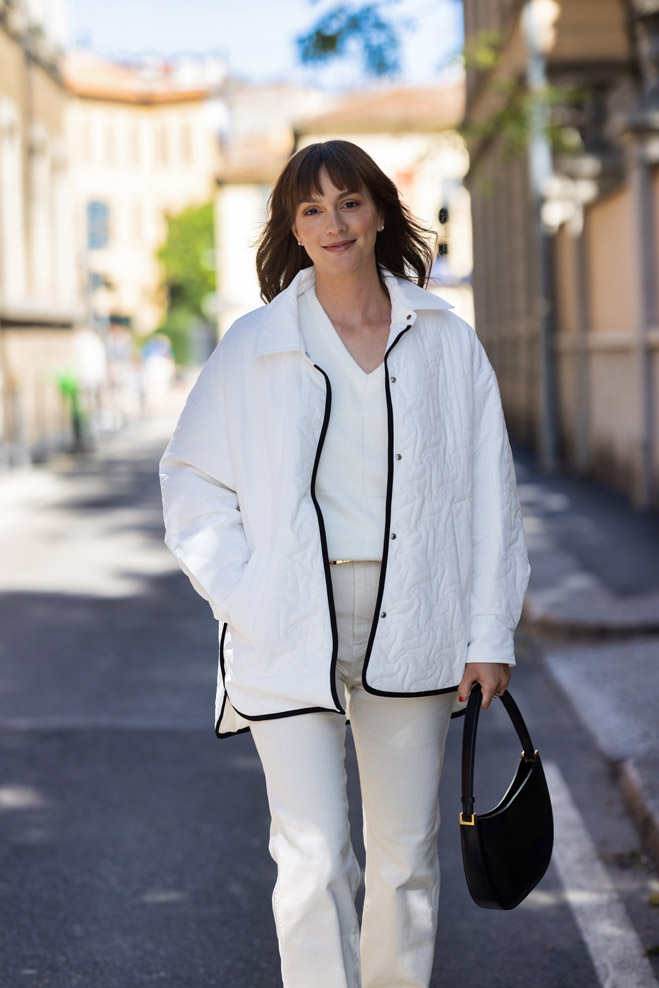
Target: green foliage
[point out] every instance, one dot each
(513, 123)
(345, 28)
(187, 276)
(176, 327)
(481, 50)
(523, 112)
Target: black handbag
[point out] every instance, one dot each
(507, 850)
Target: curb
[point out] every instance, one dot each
(641, 806)
(566, 629)
(635, 775)
(553, 630)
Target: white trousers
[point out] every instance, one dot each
(400, 748)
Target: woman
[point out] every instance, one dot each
(340, 488)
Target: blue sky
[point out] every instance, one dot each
(257, 36)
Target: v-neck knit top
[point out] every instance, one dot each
(351, 481)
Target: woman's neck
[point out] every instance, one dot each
(353, 300)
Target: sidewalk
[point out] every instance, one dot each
(26, 489)
(593, 599)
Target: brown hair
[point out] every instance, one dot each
(402, 247)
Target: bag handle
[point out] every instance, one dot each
(529, 754)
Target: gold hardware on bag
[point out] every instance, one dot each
(468, 823)
(529, 758)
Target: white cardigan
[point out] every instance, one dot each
(242, 519)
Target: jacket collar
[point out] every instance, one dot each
(280, 323)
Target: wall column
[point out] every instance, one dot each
(540, 172)
(643, 156)
(12, 204)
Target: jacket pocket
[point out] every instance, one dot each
(461, 515)
(247, 597)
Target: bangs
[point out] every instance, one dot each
(402, 245)
(342, 169)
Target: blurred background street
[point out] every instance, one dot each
(136, 155)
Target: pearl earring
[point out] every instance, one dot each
(381, 228)
(299, 243)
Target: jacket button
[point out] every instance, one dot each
(399, 456)
(393, 380)
(383, 613)
(393, 535)
(409, 315)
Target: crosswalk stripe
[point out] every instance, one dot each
(613, 944)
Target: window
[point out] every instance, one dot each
(98, 232)
(186, 143)
(110, 150)
(86, 141)
(134, 145)
(161, 145)
(138, 222)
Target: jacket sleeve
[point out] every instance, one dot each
(500, 566)
(203, 524)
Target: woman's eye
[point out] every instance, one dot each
(350, 203)
(310, 211)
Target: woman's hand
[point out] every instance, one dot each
(493, 677)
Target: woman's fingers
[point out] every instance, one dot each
(489, 693)
(466, 683)
(492, 676)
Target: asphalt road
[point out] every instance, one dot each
(134, 844)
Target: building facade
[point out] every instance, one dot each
(39, 292)
(144, 145)
(566, 268)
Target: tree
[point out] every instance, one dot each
(346, 28)
(188, 278)
(370, 29)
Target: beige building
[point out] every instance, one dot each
(39, 298)
(410, 132)
(566, 269)
(144, 145)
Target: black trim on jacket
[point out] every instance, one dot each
(330, 598)
(242, 730)
(323, 543)
(385, 546)
(328, 579)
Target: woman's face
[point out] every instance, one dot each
(338, 228)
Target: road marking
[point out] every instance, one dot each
(612, 942)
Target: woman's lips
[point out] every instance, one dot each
(340, 246)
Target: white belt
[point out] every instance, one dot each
(337, 562)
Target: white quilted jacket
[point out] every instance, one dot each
(242, 520)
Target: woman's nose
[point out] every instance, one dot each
(336, 221)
